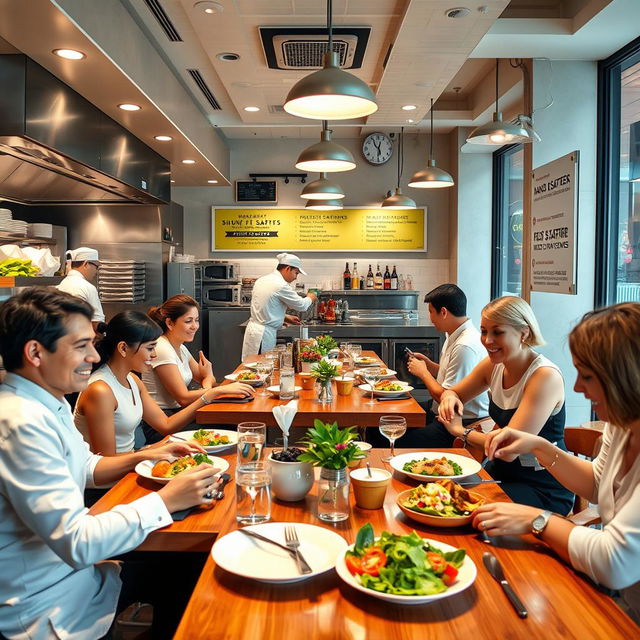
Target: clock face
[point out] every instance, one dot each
(377, 148)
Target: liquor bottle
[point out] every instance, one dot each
(378, 281)
(355, 278)
(370, 278)
(346, 278)
(387, 279)
(394, 278)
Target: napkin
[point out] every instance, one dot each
(284, 415)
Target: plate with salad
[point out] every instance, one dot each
(432, 465)
(211, 440)
(405, 569)
(164, 471)
(387, 388)
(247, 376)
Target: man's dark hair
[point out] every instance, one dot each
(280, 267)
(38, 313)
(77, 263)
(449, 296)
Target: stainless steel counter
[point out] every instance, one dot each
(412, 328)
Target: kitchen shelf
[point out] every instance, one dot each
(9, 282)
(368, 292)
(23, 241)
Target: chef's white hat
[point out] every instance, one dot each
(83, 253)
(291, 260)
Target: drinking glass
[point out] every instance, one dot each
(287, 383)
(263, 369)
(371, 375)
(253, 493)
(251, 439)
(392, 428)
(355, 351)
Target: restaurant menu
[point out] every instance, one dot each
(273, 229)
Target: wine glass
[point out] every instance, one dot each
(263, 369)
(271, 357)
(392, 428)
(355, 350)
(371, 375)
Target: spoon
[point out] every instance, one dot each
(369, 470)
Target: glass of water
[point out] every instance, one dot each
(263, 369)
(287, 383)
(253, 493)
(392, 428)
(251, 439)
(371, 375)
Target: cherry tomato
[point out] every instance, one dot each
(354, 564)
(450, 574)
(373, 560)
(438, 563)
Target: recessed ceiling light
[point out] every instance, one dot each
(409, 107)
(252, 108)
(172, 181)
(126, 106)
(457, 12)
(163, 138)
(69, 54)
(409, 120)
(212, 181)
(228, 56)
(188, 162)
(210, 8)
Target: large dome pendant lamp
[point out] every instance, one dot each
(431, 177)
(499, 132)
(325, 156)
(398, 200)
(330, 93)
(323, 205)
(322, 189)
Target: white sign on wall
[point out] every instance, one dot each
(554, 226)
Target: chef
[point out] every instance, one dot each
(84, 268)
(272, 296)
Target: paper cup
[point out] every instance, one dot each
(307, 381)
(370, 492)
(344, 386)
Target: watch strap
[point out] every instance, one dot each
(540, 522)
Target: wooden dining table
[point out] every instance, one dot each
(354, 409)
(561, 602)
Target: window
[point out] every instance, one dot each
(506, 263)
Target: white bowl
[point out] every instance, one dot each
(275, 390)
(290, 481)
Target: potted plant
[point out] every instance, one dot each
(309, 356)
(324, 372)
(325, 343)
(331, 449)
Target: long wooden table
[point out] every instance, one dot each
(345, 410)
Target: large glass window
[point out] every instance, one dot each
(506, 268)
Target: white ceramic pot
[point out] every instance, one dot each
(290, 481)
(305, 367)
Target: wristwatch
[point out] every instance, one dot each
(540, 522)
(465, 436)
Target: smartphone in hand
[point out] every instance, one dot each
(408, 352)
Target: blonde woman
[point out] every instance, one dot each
(526, 393)
(605, 347)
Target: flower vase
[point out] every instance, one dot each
(333, 495)
(305, 367)
(325, 391)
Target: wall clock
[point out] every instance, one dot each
(377, 148)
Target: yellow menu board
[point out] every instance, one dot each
(272, 229)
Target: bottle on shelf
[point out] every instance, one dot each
(346, 278)
(401, 283)
(394, 278)
(355, 278)
(370, 282)
(378, 281)
(387, 279)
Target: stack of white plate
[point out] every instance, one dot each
(121, 281)
(40, 230)
(16, 227)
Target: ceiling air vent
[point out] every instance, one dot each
(303, 47)
(163, 19)
(276, 108)
(202, 85)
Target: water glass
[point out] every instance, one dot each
(263, 369)
(371, 375)
(253, 493)
(355, 351)
(251, 439)
(287, 383)
(392, 428)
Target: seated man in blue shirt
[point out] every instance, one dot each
(53, 581)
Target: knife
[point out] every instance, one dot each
(474, 483)
(253, 534)
(219, 493)
(495, 569)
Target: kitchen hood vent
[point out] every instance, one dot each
(202, 85)
(303, 47)
(163, 20)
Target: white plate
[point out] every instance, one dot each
(390, 373)
(254, 383)
(275, 390)
(368, 361)
(469, 465)
(188, 437)
(466, 576)
(250, 365)
(144, 468)
(251, 558)
(387, 394)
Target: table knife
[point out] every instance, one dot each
(253, 534)
(495, 569)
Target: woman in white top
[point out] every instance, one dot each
(606, 353)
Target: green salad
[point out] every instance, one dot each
(402, 565)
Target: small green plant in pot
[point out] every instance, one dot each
(325, 343)
(324, 372)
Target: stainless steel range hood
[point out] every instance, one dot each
(57, 148)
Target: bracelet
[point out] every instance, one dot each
(553, 463)
(203, 397)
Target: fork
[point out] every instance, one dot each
(292, 542)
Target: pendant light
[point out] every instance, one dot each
(398, 200)
(431, 177)
(325, 156)
(323, 205)
(499, 132)
(330, 93)
(322, 189)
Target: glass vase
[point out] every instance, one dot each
(333, 495)
(325, 391)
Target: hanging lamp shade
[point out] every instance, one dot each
(323, 205)
(330, 94)
(398, 201)
(325, 156)
(322, 189)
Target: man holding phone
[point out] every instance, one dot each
(461, 352)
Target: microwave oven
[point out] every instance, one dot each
(218, 271)
(220, 295)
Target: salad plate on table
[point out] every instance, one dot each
(211, 440)
(387, 388)
(164, 471)
(366, 361)
(247, 376)
(251, 558)
(384, 373)
(434, 465)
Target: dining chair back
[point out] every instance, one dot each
(585, 442)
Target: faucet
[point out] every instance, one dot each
(344, 316)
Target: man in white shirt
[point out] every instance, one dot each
(461, 352)
(85, 263)
(53, 578)
(272, 295)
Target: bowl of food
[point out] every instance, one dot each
(291, 479)
(365, 447)
(164, 471)
(433, 465)
(366, 361)
(387, 388)
(442, 503)
(247, 376)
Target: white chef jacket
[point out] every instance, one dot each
(50, 584)
(271, 297)
(77, 285)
